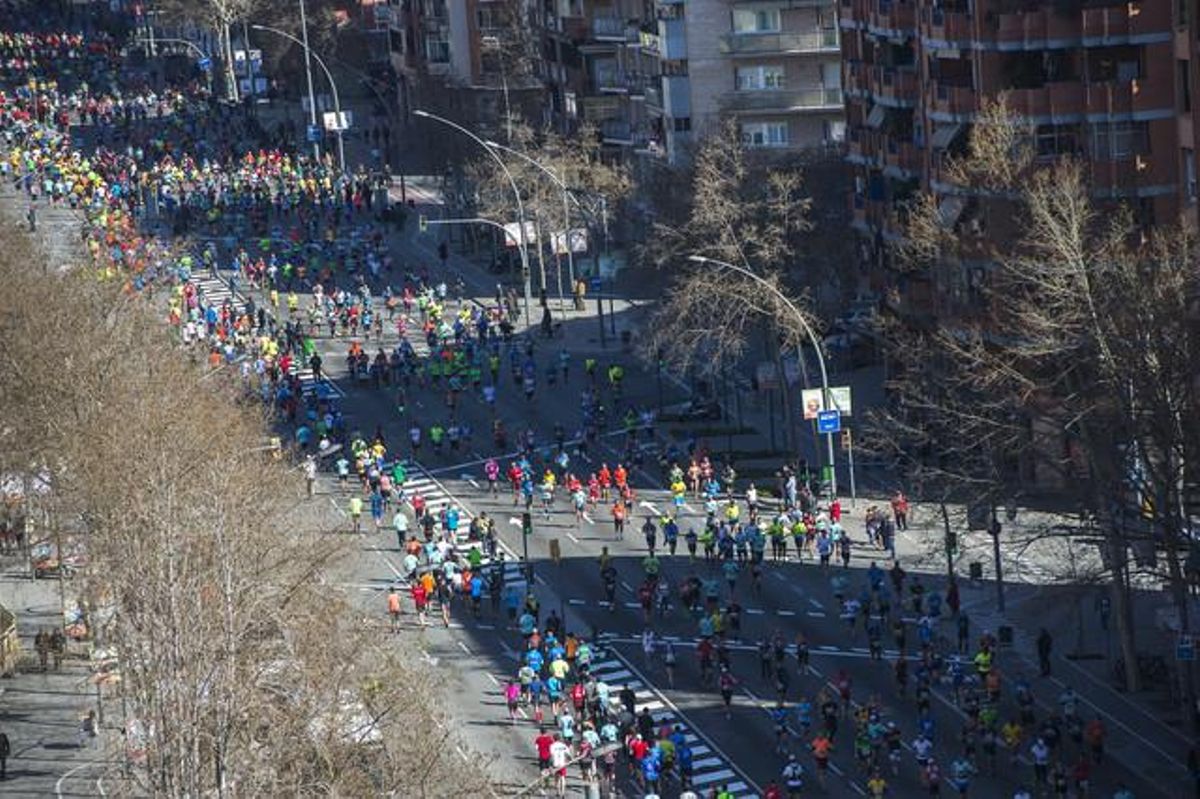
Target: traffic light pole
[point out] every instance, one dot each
(526, 531)
(994, 529)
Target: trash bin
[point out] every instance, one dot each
(1004, 635)
(976, 570)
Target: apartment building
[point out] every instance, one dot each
(653, 75)
(774, 66)
(1105, 81)
(601, 66)
(474, 60)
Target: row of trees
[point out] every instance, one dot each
(1075, 367)
(1068, 374)
(243, 671)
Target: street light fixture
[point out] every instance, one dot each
(567, 198)
(312, 103)
(808, 331)
(522, 245)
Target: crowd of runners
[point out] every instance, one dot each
(172, 184)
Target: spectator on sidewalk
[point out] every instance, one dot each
(900, 510)
(1045, 643)
(87, 729)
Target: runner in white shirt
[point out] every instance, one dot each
(560, 755)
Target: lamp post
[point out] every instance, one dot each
(521, 243)
(312, 102)
(567, 197)
(808, 331)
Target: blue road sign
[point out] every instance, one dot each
(594, 283)
(205, 63)
(314, 133)
(829, 422)
(1185, 650)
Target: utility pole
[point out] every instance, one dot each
(994, 529)
(312, 99)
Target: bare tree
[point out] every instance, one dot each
(243, 671)
(1076, 365)
(743, 212)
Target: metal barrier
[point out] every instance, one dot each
(10, 643)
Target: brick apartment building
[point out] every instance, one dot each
(1109, 82)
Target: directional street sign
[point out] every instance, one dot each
(829, 422)
(314, 133)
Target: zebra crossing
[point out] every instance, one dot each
(438, 499)
(214, 291)
(709, 768)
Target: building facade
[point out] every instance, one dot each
(475, 60)
(653, 75)
(1108, 82)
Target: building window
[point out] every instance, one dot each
(437, 51)
(1185, 84)
(1055, 140)
(1189, 173)
(748, 20)
(675, 68)
(682, 124)
(1115, 141)
(760, 77)
(1119, 64)
(765, 134)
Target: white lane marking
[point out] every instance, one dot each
(463, 647)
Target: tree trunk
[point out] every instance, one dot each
(1122, 611)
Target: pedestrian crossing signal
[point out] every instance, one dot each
(423, 223)
(527, 523)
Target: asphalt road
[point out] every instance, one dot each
(793, 597)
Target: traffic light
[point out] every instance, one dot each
(423, 223)
(527, 523)
(952, 542)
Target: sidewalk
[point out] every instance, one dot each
(41, 712)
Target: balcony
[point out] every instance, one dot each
(1052, 101)
(886, 17)
(901, 158)
(951, 103)
(893, 86)
(1143, 175)
(621, 133)
(756, 44)
(613, 29)
(1031, 30)
(1128, 98)
(1120, 23)
(953, 28)
(783, 101)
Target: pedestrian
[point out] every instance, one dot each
(900, 510)
(356, 509)
(310, 474)
(41, 643)
(58, 647)
(5, 751)
(87, 729)
(1045, 643)
(394, 609)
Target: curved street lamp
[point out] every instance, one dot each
(337, 103)
(808, 331)
(521, 243)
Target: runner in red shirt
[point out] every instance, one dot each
(420, 600)
(543, 743)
